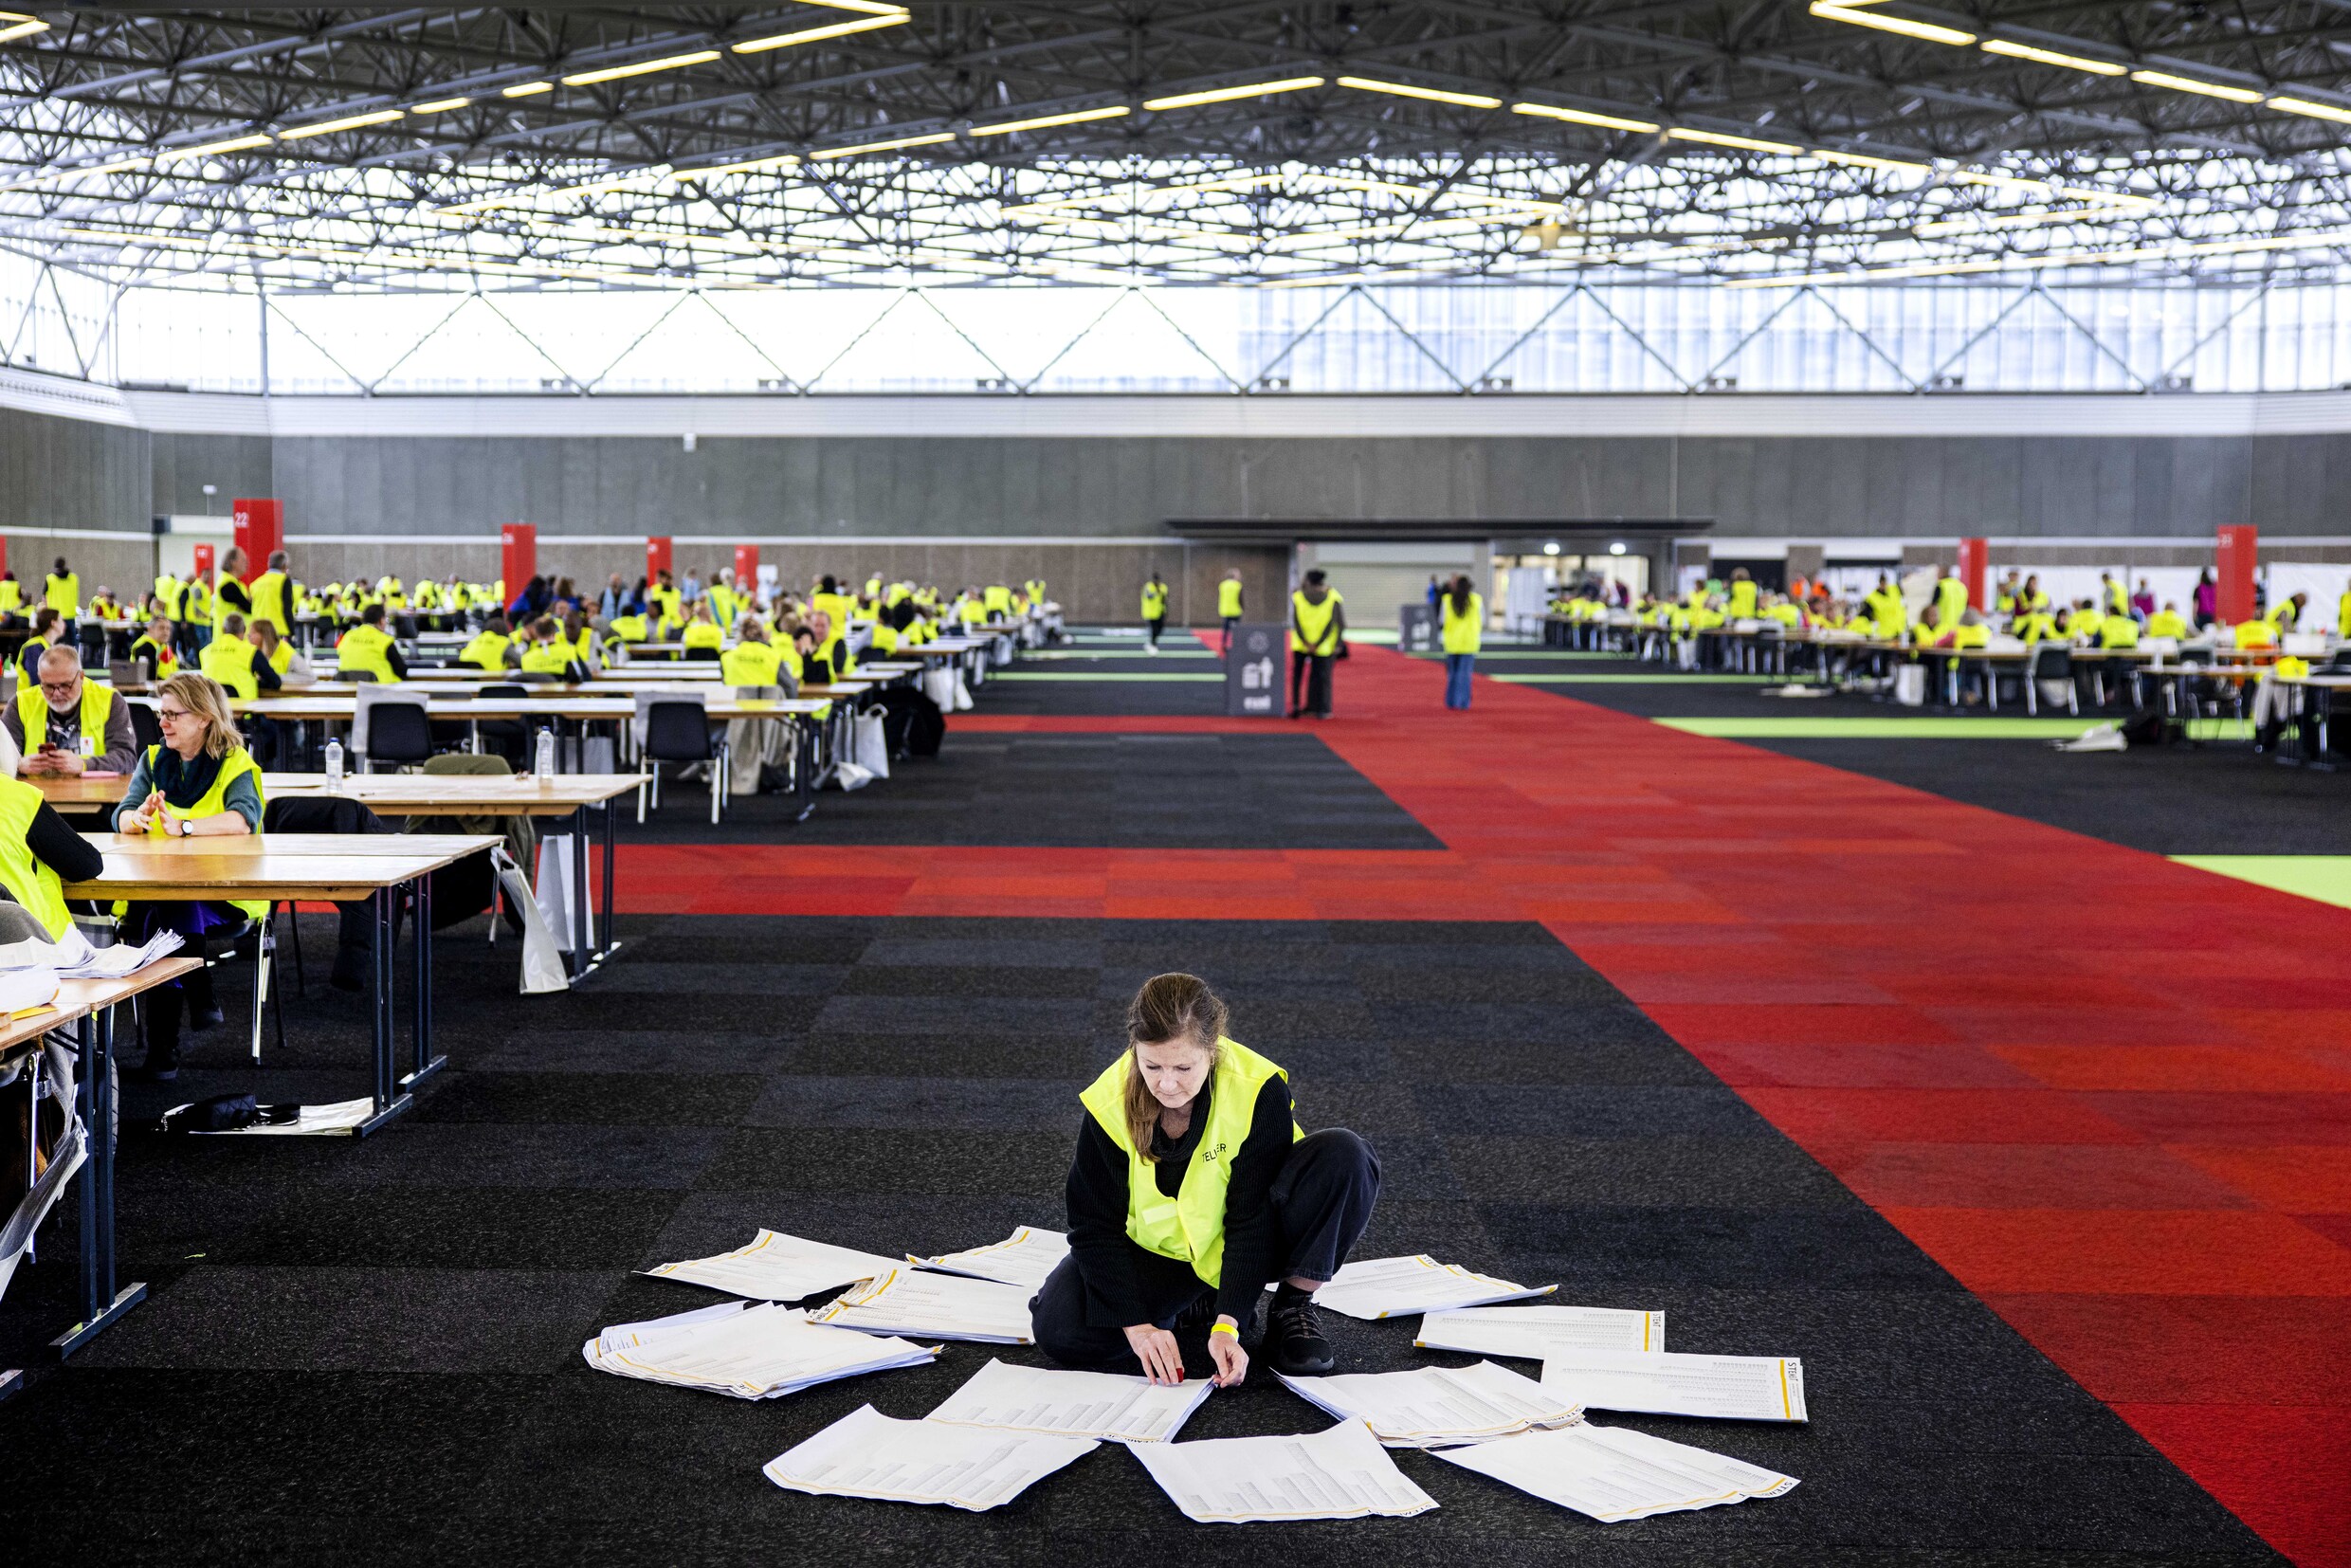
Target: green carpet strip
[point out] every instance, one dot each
(1635, 678)
(1098, 675)
(1924, 727)
(2323, 878)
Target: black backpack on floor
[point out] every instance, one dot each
(911, 722)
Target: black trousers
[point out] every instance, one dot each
(1313, 671)
(1154, 626)
(1322, 1199)
(1230, 621)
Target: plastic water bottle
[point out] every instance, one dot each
(543, 763)
(334, 763)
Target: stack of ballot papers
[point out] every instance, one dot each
(776, 1267)
(1727, 1388)
(750, 1352)
(1075, 1404)
(1615, 1474)
(1397, 1288)
(867, 1455)
(1535, 1332)
(1438, 1407)
(1023, 1258)
(1342, 1473)
(945, 1307)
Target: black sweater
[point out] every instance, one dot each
(54, 843)
(1107, 1260)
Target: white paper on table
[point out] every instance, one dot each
(1612, 1473)
(1727, 1388)
(777, 1268)
(27, 989)
(73, 958)
(1340, 1473)
(756, 1352)
(1075, 1404)
(1397, 1288)
(947, 1306)
(1432, 1406)
(1535, 1332)
(1024, 1257)
(867, 1455)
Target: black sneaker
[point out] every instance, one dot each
(1197, 1318)
(1294, 1340)
(205, 1017)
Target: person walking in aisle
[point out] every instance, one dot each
(1318, 636)
(1155, 609)
(1229, 605)
(1191, 1189)
(1464, 620)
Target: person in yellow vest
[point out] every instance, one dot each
(64, 725)
(236, 664)
(1742, 604)
(40, 852)
(2118, 632)
(885, 633)
(1228, 605)
(585, 653)
(195, 612)
(230, 595)
(13, 593)
(665, 600)
(548, 652)
(276, 651)
(753, 661)
(2255, 634)
(2167, 622)
(272, 594)
(2083, 623)
(368, 649)
(1886, 612)
(2288, 614)
(46, 629)
(703, 636)
(2343, 615)
(1035, 589)
(2034, 625)
(1191, 1189)
(1463, 612)
(200, 783)
(1318, 636)
(2113, 598)
(1951, 597)
(154, 645)
(2005, 601)
(63, 591)
(726, 605)
(104, 605)
(621, 630)
(1155, 610)
(998, 599)
(488, 648)
(830, 602)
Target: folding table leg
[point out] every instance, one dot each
(389, 1100)
(420, 1024)
(102, 1303)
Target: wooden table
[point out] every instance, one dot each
(88, 1005)
(309, 868)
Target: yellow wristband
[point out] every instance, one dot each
(1225, 1328)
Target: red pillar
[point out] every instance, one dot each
(746, 568)
(1974, 570)
(656, 557)
(260, 532)
(518, 544)
(204, 560)
(2233, 571)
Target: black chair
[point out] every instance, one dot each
(398, 734)
(358, 677)
(317, 815)
(2051, 662)
(146, 729)
(701, 655)
(680, 731)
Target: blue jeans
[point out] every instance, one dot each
(1457, 679)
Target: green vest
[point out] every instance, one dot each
(628, 629)
(363, 647)
(229, 661)
(699, 634)
(750, 665)
(271, 594)
(1190, 1227)
(1313, 633)
(165, 662)
(215, 801)
(29, 880)
(1229, 600)
(1462, 633)
(487, 650)
(98, 705)
(63, 594)
(547, 659)
(1154, 602)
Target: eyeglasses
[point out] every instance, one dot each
(172, 716)
(60, 688)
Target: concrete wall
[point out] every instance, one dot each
(63, 479)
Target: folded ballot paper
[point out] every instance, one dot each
(750, 1352)
(1397, 1288)
(776, 1267)
(1075, 1404)
(941, 1307)
(867, 1455)
(1535, 1332)
(1727, 1388)
(1615, 1474)
(1341, 1473)
(1023, 1258)
(1438, 1407)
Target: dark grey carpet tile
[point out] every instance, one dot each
(323, 1223)
(888, 1225)
(1372, 1109)
(639, 1100)
(1579, 1246)
(1674, 1173)
(1584, 1110)
(1608, 1059)
(610, 1006)
(338, 1319)
(969, 1015)
(865, 1160)
(550, 1155)
(841, 1052)
(794, 942)
(651, 1051)
(1477, 1024)
(931, 1103)
(966, 980)
(896, 952)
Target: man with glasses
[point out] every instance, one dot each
(67, 725)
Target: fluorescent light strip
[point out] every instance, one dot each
(526, 89)
(1988, 223)
(2328, 239)
(2051, 57)
(811, 36)
(869, 8)
(1580, 116)
(20, 25)
(1075, 116)
(1836, 11)
(2189, 85)
(1228, 95)
(1717, 140)
(67, 177)
(438, 105)
(782, 160)
(349, 122)
(2314, 110)
(1402, 89)
(930, 140)
(643, 67)
(234, 144)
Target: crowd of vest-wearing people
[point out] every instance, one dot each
(2115, 616)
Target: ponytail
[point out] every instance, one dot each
(1461, 595)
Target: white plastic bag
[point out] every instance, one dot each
(938, 685)
(1911, 686)
(848, 775)
(872, 750)
(554, 894)
(542, 962)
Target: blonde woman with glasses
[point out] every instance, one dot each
(200, 783)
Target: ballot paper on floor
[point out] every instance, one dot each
(776, 1267)
(1615, 1474)
(1397, 1288)
(1438, 1407)
(1535, 1332)
(1341, 1473)
(867, 1455)
(1024, 1257)
(335, 1119)
(749, 1351)
(942, 1306)
(1075, 1404)
(1727, 1388)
